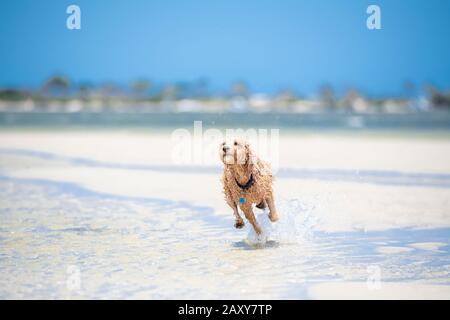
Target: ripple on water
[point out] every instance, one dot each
(126, 246)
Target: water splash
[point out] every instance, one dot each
(296, 223)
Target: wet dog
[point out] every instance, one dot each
(246, 180)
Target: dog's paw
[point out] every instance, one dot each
(273, 216)
(238, 224)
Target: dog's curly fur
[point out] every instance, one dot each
(240, 164)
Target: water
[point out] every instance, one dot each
(104, 214)
(323, 121)
(146, 248)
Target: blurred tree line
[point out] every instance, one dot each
(61, 88)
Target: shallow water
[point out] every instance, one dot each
(149, 248)
(62, 239)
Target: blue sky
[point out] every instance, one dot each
(269, 44)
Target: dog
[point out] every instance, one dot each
(246, 180)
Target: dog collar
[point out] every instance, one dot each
(246, 186)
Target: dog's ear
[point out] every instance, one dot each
(250, 159)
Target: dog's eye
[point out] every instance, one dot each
(235, 143)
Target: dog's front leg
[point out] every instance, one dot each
(251, 217)
(239, 223)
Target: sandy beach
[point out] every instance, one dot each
(108, 214)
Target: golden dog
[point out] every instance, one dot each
(246, 180)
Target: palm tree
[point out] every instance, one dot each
(141, 87)
(56, 85)
(326, 97)
(239, 88)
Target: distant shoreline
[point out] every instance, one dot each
(429, 121)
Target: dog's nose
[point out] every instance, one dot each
(225, 148)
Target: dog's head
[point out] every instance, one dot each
(236, 151)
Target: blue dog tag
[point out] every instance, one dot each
(241, 200)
